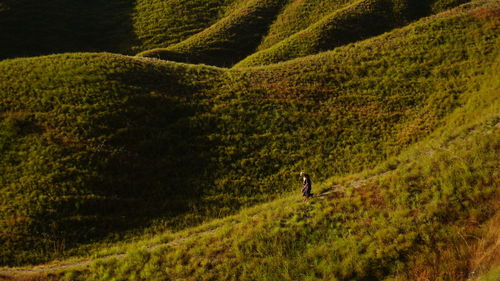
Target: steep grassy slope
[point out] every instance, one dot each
(416, 222)
(354, 21)
(217, 32)
(301, 28)
(30, 27)
(162, 23)
(96, 143)
(430, 213)
(298, 15)
(88, 142)
(227, 41)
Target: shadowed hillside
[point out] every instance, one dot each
(355, 21)
(215, 32)
(227, 41)
(430, 213)
(90, 140)
(298, 15)
(424, 215)
(301, 28)
(31, 28)
(160, 23)
(392, 106)
(95, 144)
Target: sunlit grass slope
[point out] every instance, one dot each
(430, 213)
(298, 15)
(280, 30)
(93, 144)
(419, 222)
(238, 35)
(161, 23)
(91, 141)
(227, 41)
(354, 21)
(31, 27)
(217, 32)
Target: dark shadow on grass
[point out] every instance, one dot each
(139, 159)
(33, 28)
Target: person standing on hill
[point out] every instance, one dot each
(306, 186)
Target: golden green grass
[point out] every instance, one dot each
(104, 153)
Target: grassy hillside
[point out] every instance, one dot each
(354, 21)
(30, 27)
(88, 142)
(96, 144)
(216, 32)
(424, 215)
(161, 23)
(301, 28)
(430, 213)
(298, 15)
(227, 41)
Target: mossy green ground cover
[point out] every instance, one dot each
(90, 142)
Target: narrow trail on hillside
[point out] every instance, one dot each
(6, 273)
(46, 268)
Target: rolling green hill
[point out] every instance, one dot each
(350, 23)
(108, 132)
(399, 132)
(160, 23)
(227, 41)
(298, 15)
(301, 28)
(31, 28)
(215, 32)
(423, 215)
